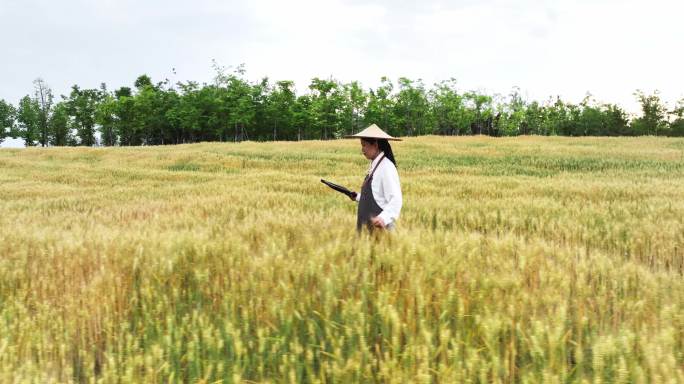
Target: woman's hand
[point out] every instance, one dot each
(378, 222)
(352, 197)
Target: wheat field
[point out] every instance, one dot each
(515, 260)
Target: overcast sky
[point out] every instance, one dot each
(567, 48)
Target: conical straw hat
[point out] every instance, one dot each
(374, 132)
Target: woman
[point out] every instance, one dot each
(380, 198)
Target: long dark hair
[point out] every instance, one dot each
(383, 146)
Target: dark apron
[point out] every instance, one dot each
(368, 208)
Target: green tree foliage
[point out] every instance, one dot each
(279, 107)
(28, 119)
(125, 118)
(380, 108)
(7, 116)
(354, 104)
(677, 126)
(534, 117)
(589, 118)
(236, 105)
(192, 113)
(411, 108)
(512, 114)
(233, 109)
(325, 101)
(259, 124)
(653, 120)
(44, 99)
(82, 106)
(105, 117)
(614, 122)
(153, 107)
(556, 117)
(481, 116)
(302, 116)
(60, 126)
(449, 111)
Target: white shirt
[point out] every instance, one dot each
(386, 189)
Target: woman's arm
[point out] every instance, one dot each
(392, 193)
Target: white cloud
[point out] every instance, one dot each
(565, 48)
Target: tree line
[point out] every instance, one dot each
(231, 108)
